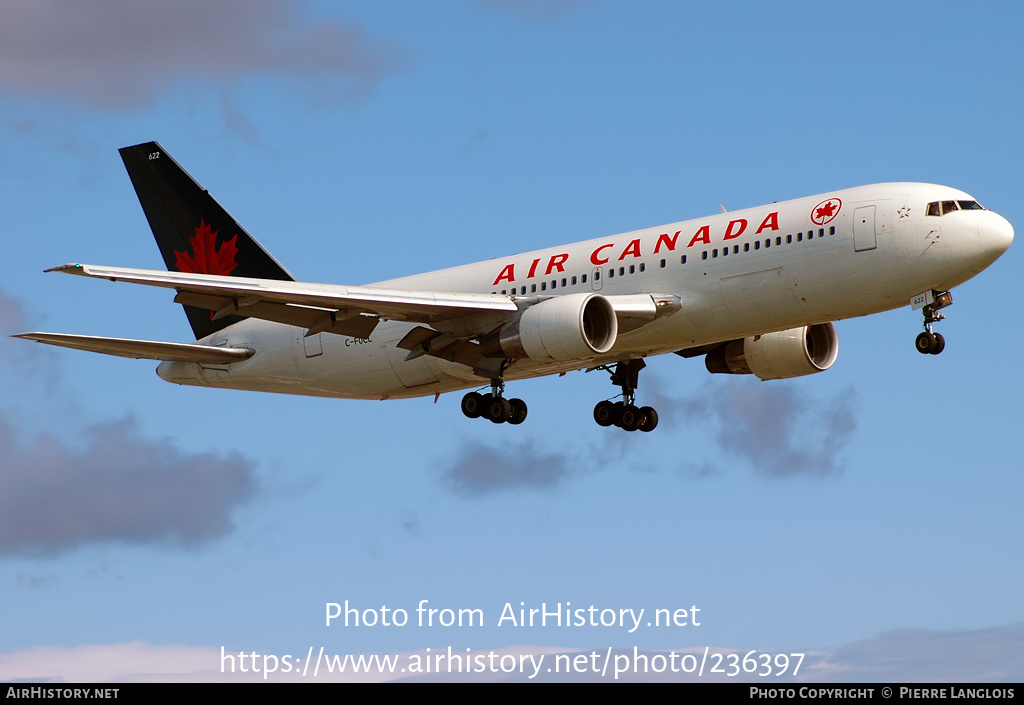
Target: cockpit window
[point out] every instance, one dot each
(943, 207)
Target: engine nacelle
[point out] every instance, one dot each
(789, 353)
(571, 327)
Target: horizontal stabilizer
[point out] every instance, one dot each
(144, 349)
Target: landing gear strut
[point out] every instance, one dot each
(930, 342)
(494, 406)
(625, 414)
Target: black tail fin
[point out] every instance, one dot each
(193, 231)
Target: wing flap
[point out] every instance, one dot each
(314, 319)
(143, 349)
(423, 341)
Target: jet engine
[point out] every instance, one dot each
(571, 327)
(781, 355)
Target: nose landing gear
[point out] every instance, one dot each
(930, 342)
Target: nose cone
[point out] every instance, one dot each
(995, 234)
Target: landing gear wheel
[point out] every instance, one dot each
(518, 414)
(604, 413)
(926, 343)
(473, 405)
(650, 421)
(498, 409)
(631, 418)
(930, 343)
(617, 409)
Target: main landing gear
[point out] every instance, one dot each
(494, 406)
(930, 342)
(625, 414)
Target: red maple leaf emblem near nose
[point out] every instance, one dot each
(825, 211)
(206, 257)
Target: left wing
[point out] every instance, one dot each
(454, 318)
(347, 310)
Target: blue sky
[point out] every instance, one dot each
(867, 513)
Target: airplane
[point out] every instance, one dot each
(753, 291)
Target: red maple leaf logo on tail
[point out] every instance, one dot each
(206, 258)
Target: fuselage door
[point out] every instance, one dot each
(864, 229)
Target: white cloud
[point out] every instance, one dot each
(117, 53)
(120, 486)
(776, 427)
(480, 470)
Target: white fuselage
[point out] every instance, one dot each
(812, 260)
